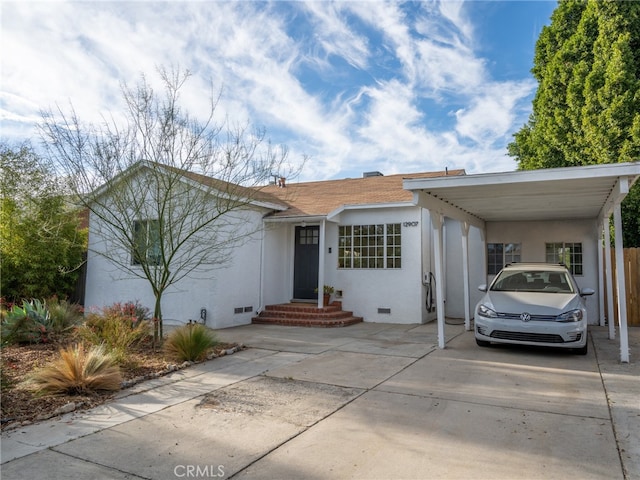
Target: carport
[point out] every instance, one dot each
(590, 192)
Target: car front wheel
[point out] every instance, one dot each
(581, 350)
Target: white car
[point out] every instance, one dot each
(533, 304)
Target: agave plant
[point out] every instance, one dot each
(79, 370)
(29, 323)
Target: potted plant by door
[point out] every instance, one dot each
(326, 292)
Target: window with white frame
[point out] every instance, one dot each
(501, 254)
(370, 246)
(567, 253)
(146, 240)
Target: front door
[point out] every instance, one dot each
(305, 264)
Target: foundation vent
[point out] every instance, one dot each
(384, 311)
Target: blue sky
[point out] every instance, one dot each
(397, 87)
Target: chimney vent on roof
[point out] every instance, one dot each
(372, 174)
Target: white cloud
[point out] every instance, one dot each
(390, 21)
(364, 116)
(492, 114)
(334, 35)
(454, 12)
(391, 127)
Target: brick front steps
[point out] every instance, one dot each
(306, 315)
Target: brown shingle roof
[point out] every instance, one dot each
(321, 198)
(253, 194)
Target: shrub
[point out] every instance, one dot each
(190, 342)
(4, 308)
(5, 381)
(118, 328)
(79, 371)
(134, 311)
(64, 316)
(29, 323)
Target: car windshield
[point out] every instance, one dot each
(532, 281)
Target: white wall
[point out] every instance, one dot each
(367, 290)
(534, 235)
(277, 276)
(428, 297)
(454, 300)
(219, 291)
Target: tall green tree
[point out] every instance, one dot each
(587, 107)
(41, 240)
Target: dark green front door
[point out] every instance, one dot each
(305, 269)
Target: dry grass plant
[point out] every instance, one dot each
(79, 370)
(117, 333)
(190, 342)
(64, 315)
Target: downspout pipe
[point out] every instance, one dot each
(262, 266)
(321, 262)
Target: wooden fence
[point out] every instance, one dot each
(632, 281)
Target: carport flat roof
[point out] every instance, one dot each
(590, 192)
(526, 195)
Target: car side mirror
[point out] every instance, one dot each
(585, 292)
(483, 287)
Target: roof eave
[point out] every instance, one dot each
(295, 219)
(525, 176)
(334, 214)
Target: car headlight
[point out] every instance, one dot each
(485, 311)
(571, 316)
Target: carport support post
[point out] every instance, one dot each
(601, 277)
(437, 220)
(622, 293)
(465, 273)
(609, 275)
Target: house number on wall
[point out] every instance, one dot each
(410, 224)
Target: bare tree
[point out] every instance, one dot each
(168, 194)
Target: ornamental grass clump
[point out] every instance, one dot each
(79, 370)
(64, 315)
(190, 342)
(118, 328)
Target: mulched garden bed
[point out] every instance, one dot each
(21, 406)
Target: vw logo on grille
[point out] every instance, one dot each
(525, 317)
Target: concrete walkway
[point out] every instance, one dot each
(367, 401)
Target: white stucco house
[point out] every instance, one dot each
(397, 249)
(363, 236)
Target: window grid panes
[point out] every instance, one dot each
(309, 236)
(567, 253)
(501, 254)
(511, 253)
(394, 246)
(370, 246)
(146, 237)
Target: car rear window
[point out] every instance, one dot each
(532, 281)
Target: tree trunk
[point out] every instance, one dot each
(158, 333)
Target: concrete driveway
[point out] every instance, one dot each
(366, 401)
